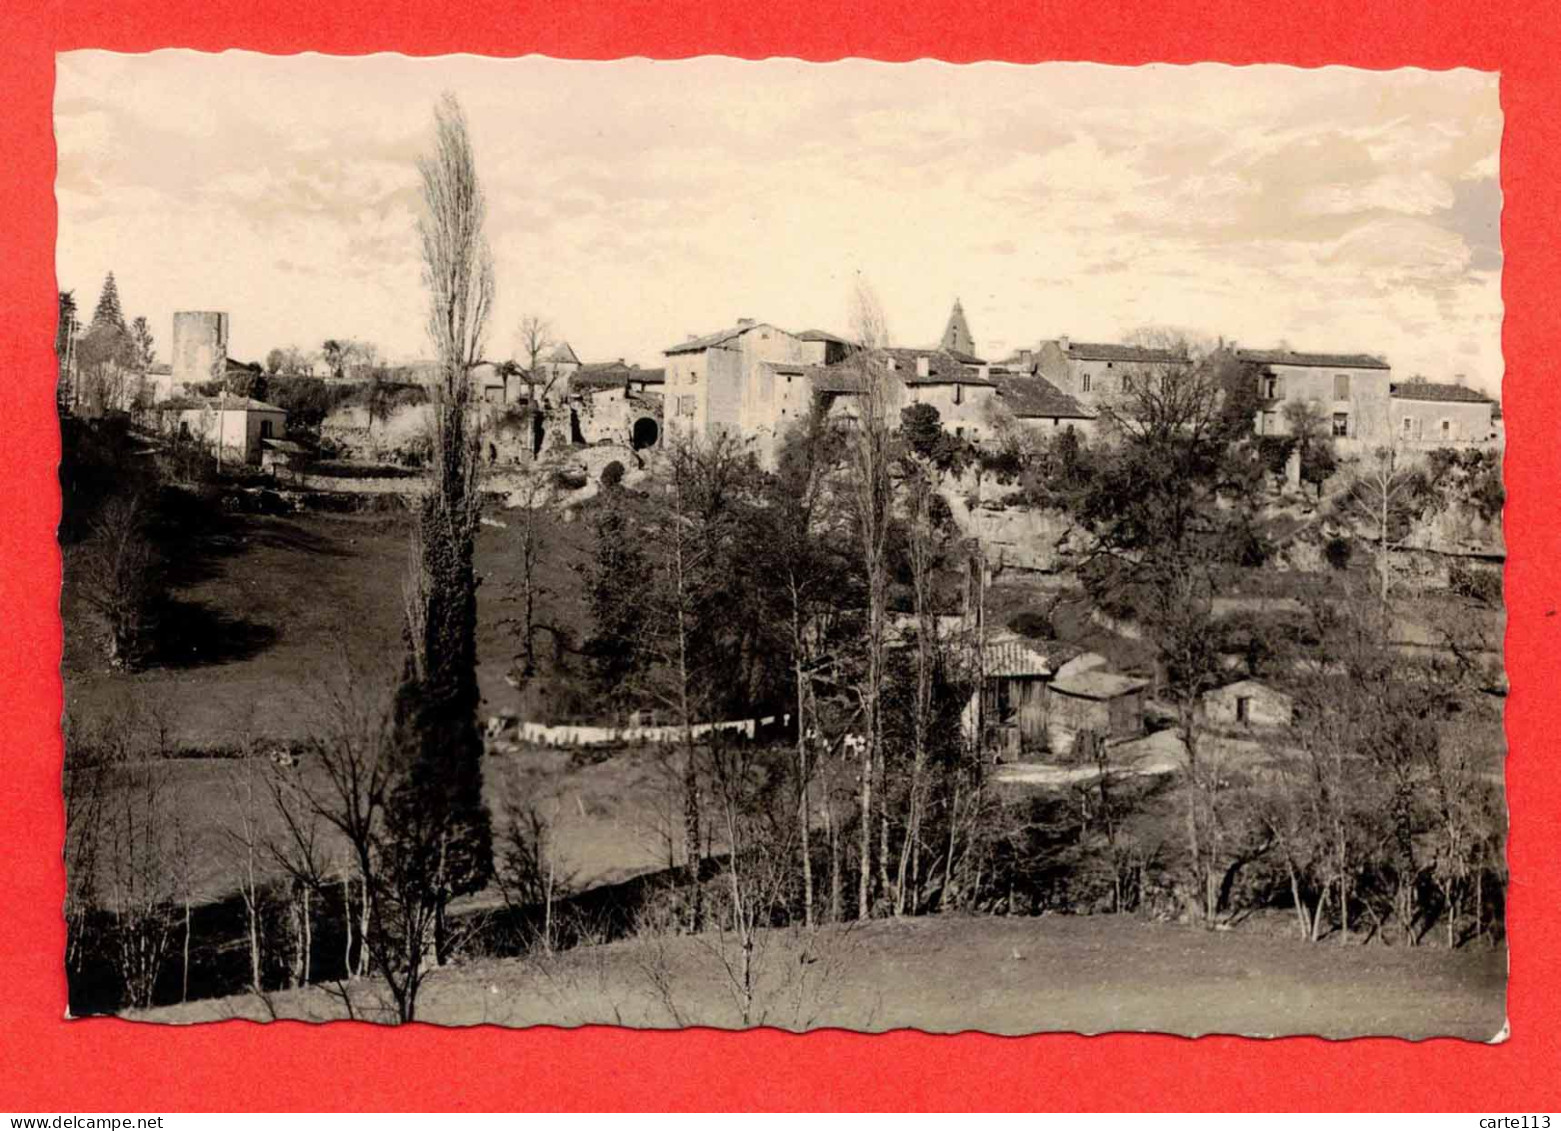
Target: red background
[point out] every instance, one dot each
(47, 1064)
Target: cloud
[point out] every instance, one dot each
(635, 201)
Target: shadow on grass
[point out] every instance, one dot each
(191, 634)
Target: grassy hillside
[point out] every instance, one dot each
(952, 973)
(266, 608)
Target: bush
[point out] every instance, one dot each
(1338, 552)
(1482, 585)
(612, 474)
(568, 479)
(1037, 626)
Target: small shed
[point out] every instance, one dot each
(1013, 696)
(1248, 703)
(1110, 704)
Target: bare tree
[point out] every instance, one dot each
(1383, 499)
(139, 848)
(872, 456)
(118, 577)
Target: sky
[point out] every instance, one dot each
(633, 203)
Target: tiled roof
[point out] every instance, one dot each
(1316, 360)
(1097, 684)
(824, 378)
(614, 375)
(694, 345)
(1035, 396)
(943, 367)
(822, 336)
(1108, 351)
(563, 353)
(600, 375)
(1013, 658)
(1430, 391)
(226, 403)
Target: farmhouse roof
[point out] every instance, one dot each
(944, 367)
(823, 336)
(1111, 351)
(720, 337)
(563, 353)
(224, 403)
(1247, 687)
(1431, 391)
(600, 374)
(1314, 360)
(824, 378)
(290, 447)
(1035, 396)
(1011, 658)
(1097, 684)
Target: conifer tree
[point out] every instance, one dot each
(108, 312)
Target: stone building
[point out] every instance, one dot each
(724, 383)
(200, 347)
(1094, 373)
(1248, 703)
(1350, 391)
(233, 428)
(1036, 404)
(1092, 698)
(1424, 413)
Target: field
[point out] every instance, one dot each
(267, 609)
(948, 974)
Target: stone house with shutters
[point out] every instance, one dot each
(719, 384)
(1037, 404)
(1094, 373)
(1350, 392)
(1432, 415)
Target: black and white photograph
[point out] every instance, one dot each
(757, 543)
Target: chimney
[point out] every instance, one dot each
(889, 364)
(924, 366)
(745, 321)
(1026, 359)
(1063, 342)
(1460, 379)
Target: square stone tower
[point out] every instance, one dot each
(200, 346)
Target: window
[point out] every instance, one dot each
(1086, 382)
(686, 405)
(959, 394)
(1447, 429)
(960, 433)
(1268, 424)
(1271, 387)
(1341, 387)
(265, 430)
(1408, 425)
(1127, 381)
(1341, 424)
(1243, 708)
(693, 376)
